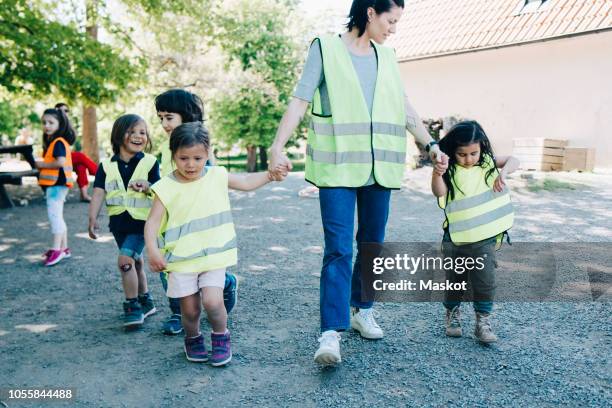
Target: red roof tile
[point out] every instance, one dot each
(437, 27)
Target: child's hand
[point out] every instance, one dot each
(93, 229)
(441, 164)
(157, 263)
(500, 183)
(142, 186)
(279, 173)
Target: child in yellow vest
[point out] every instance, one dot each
(190, 234)
(175, 107)
(56, 178)
(123, 182)
(476, 202)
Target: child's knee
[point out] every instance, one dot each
(213, 304)
(125, 264)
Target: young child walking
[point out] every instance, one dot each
(476, 202)
(175, 107)
(56, 179)
(123, 182)
(196, 242)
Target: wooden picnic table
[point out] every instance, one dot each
(15, 177)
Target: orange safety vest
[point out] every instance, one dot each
(48, 177)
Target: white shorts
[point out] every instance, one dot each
(186, 284)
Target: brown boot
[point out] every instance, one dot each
(453, 322)
(483, 331)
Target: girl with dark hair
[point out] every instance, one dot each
(195, 243)
(123, 182)
(56, 179)
(81, 162)
(478, 211)
(175, 107)
(355, 155)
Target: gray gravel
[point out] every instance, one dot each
(549, 354)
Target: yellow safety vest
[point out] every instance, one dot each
(197, 234)
(118, 199)
(343, 147)
(477, 212)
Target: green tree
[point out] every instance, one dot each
(262, 55)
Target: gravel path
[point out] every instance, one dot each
(61, 326)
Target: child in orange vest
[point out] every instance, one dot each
(56, 178)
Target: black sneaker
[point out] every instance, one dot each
(230, 292)
(146, 302)
(132, 315)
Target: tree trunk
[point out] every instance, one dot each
(263, 158)
(90, 123)
(251, 159)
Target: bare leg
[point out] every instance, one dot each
(212, 299)
(190, 314)
(129, 277)
(142, 277)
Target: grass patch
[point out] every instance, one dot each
(548, 184)
(237, 164)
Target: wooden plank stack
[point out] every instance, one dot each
(540, 153)
(578, 158)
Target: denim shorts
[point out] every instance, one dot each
(130, 245)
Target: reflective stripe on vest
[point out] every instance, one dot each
(477, 212)
(345, 148)
(197, 233)
(118, 199)
(48, 177)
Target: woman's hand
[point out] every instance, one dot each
(500, 182)
(142, 186)
(439, 159)
(278, 160)
(157, 263)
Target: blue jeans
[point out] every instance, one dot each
(130, 245)
(341, 280)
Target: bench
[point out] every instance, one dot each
(15, 177)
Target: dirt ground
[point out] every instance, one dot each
(61, 326)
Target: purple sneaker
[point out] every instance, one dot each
(221, 349)
(195, 349)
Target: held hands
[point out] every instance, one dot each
(142, 186)
(157, 263)
(439, 159)
(279, 173)
(93, 229)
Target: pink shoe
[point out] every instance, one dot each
(67, 253)
(54, 257)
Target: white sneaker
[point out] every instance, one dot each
(363, 321)
(329, 348)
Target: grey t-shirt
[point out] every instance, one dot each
(313, 77)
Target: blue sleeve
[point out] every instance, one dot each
(100, 180)
(59, 150)
(154, 174)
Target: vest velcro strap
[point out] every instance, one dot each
(389, 156)
(474, 201)
(351, 129)
(112, 186)
(202, 224)
(483, 219)
(339, 157)
(204, 252)
(392, 129)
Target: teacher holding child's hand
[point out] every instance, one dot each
(356, 154)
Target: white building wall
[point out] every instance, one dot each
(556, 89)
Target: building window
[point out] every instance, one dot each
(530, 6)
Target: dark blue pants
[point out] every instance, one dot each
(175, 303)
(341, 280)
